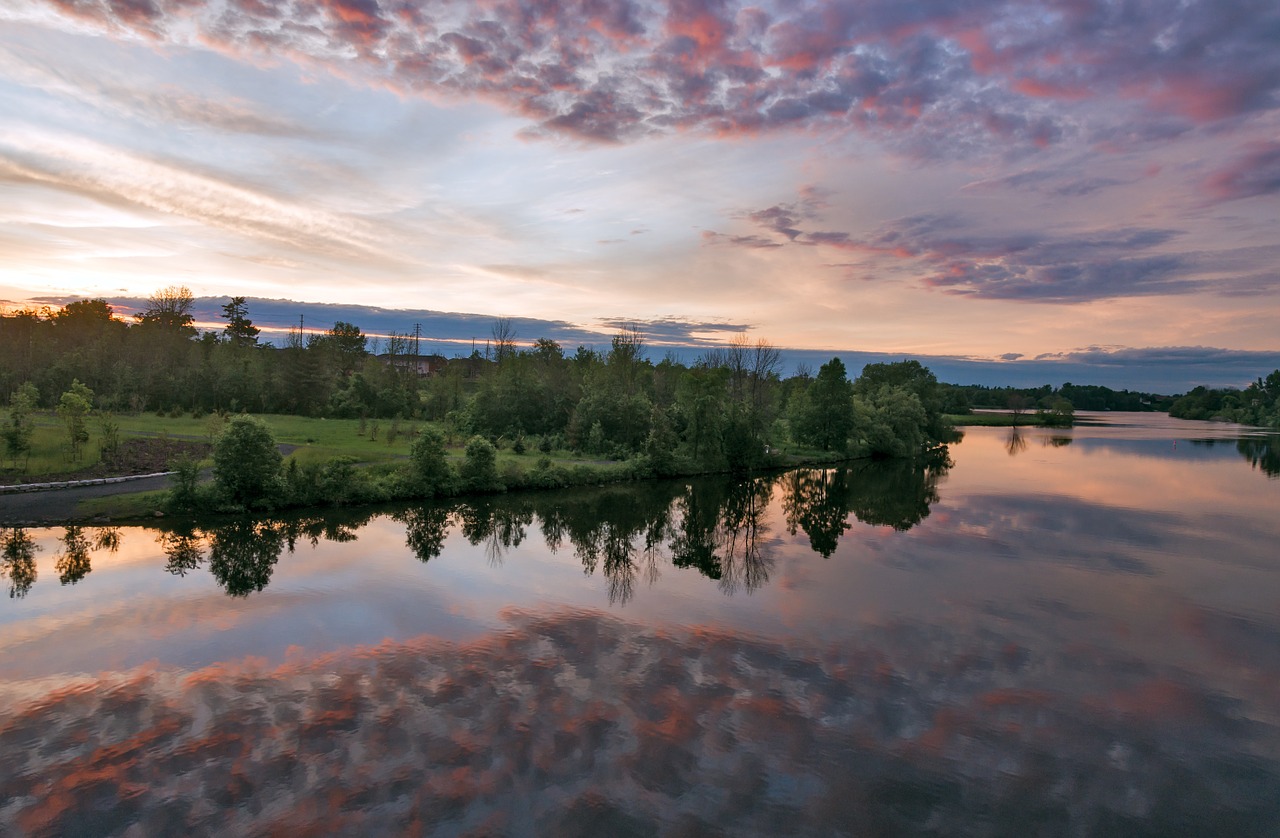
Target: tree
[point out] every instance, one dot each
(20, 427)
(822, 416)
(170, 309)
(916, 378)
(73, 408)
(246, 462)
(479, 470)
(239, 330)
(429, 470)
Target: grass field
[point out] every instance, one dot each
(317, 440)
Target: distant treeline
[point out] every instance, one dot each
(1257, 404)
(961, 398)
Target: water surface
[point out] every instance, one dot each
(1062, 632)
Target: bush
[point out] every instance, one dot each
(429, 472)
(479, 470)
(246, 462)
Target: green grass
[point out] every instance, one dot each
(127, 507)
(318, 440)
(49, 454)
(995, 420)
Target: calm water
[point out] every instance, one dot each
(1056, 633)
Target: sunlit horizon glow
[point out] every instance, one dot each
(989, 180)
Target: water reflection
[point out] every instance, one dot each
(72, 563)
(1065, 643)
(1016, 442)
(1262, 452)
(577, 723)
(19, 561)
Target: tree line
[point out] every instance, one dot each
(731, 409)
(1257, 404)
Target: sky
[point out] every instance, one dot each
(1012, 183)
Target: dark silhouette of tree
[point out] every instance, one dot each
(184, 549)
(18, 561)
(243, 555)
(239, 330)
(72, 563)
(817, 502)
(169, 310)
(425, 529)
(896, 493)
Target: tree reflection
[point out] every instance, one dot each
(243, 555)
(500, 525)
(745, 561)
(425, 529)
(896, 493)
(107, 538)
(693, 542)
(1015, 443)
(72, 562)
(1262, 453)
(18, 561)
(184, 549)
(890, 493)
(816, 501)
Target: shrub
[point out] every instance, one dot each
(246, 462)
(429, 472)
(479, 470)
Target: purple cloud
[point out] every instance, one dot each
(933, 79)
(1257, 172)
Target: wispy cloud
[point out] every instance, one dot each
(108, 175)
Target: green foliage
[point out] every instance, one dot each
(822, 416)
(20, 426)
(246, 462)
(917, 379)
(73, 409)
(479, 470)
(890, 422)
(109, 430)
(429, 471)
(184, 496)
(1258, 404)
(1059, 414)
(239, 330)
(660, 447)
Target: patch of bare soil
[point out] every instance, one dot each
(146, 455)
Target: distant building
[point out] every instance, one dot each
(424, 366)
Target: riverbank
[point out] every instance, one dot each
(143, 500)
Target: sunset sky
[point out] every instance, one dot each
(988, 180)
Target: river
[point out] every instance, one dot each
(1066, 632)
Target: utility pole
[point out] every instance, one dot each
(417, 335)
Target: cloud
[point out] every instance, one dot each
(1254, 173)
(679, 331)
(947, 253)
(118, 178)
(937, 79)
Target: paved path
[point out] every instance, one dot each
(56, 506)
